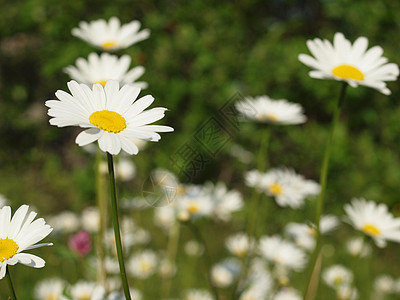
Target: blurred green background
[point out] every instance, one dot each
(199, 55)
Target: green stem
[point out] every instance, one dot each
(262, 157)
(117, 234)
(10, 285)
(309, 294)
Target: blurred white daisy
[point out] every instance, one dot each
(224, 273)
(51, 288)
(86, 290)
(194, 248)
(287, 293)
(358, 247)
(166, 268)
(101, 68)
(64, 222)
(336, 276)
(18, 234)
(195, 202)
(197, 294)
(351, 63)
(110, 36)
(90, 219)
(374, 220)
(384, 284)
(116, 295)
(259, 282)
(239, 244)
(267, 110)
(143, 264)
(111, 116)
(225, 201)
(347, 292)
(282, 253)
(287, 187)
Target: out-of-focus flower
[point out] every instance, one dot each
(51, 288)
(86, 290)
(197, 294)
(374, 220)
(225, 202)
(287, 187)
(193, 248)
(347, 292)
(166, 268)
(101, 68)
(336, 276)
(64, 222)
(196, 202)
(80, 243)
(18, 234)
(353, 64)
(164, 217)
(239, 244)
(282, 253)
(267, 110)
(112, 116)
(358, 247)
(287, 293)
(241, 154)
(90, 219)
(110, 36)
(384, 284)
(142, 264)
(259, 282)
(224, 273)
(135, 294)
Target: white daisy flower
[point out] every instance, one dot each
(336, 276)
(90, 219)
(112, 116)
(282, 253)
(224, 273)
(197, 294)
(101, 68)
(287, 293)
(85, 290)
(143, 264)
(358, 247)
(195, 202)
(384, 284)
(116, 295)
(225, 202)
(194, 248)
(239, 244)
(64, 222)
(259, 282)
(51, 288)
(287, 187)
(267, 110)
(374, 220)
(110, 36)
(18, 234)
(353, 64)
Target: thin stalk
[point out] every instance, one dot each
(13, 296)
(309, 295)
(117, 234)
(196, 232)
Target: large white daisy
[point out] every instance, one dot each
(101, 68)
(18, 234)
(110, 36)
(267, 110)
(112, 116)
(374, 220)
(351, 63)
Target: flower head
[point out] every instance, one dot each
(110, 36)
(337, 275)
(267, 110)
(374, 220)
(18, 234)
(101, 68)
(143, 264)
(51, 288)
(353, 64)
(111, 116)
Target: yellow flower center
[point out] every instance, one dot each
(107, 120)
(109, 45)
(145, 266)
(348, 72)
(51, 297)
(193, 208)
(371, 230)
(85, 296)
(102, 82)
(275, 189)
(8, 248)
(267, 117)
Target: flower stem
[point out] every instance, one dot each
(309, 294)
(117, 234)
(13, 296)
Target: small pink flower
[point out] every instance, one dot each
(80, 243)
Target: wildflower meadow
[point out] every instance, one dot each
(199, 150)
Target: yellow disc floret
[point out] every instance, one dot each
(109, 45)
(102, 82)
(348, 72)
(275, 189)
(371, 230)
(8, 248)
(267, 117)
(107, 120)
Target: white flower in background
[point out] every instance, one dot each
(110, 36)
(64, 222)
(260, 282)
(111, 265)
(239, 244)
(253, 178)
(3, 200)
(193, 248)
(287, 293)
(195, 202)
(111, 116)
(374, 220)
(336, 276)
(90, 219)
(104, 67)
(197, 294)
(165, 217)
(304, 234)
(125, 169)
(267, 110)
(241, 154)
(384, 284)
(347, 292)
(86, 290)
(353, 64)
(50, 289)
(116, 295)
(358, 247)
(224, 273)
(225, 202)
(287, 187)
(18, 234)
(143, 264)
(166, 268)
(282, 253)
